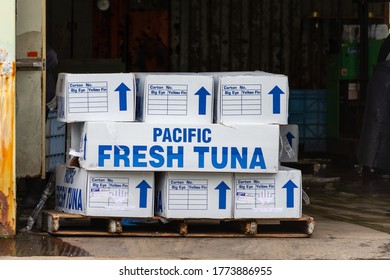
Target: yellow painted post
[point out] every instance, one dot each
(7, 119)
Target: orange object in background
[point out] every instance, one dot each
(32, 54)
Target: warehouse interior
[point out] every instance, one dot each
(310, 42)
(327, 49)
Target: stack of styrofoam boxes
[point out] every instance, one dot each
(208, 144)
(177, 109)
(262, 98)
(197, 156)
(216, 139)
(87, 102)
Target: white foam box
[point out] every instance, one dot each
(174, 98)
(103, 193)
(251, 97)
(130, 146)
(95, 97)
(194, 195)
(289, 143)
(277, 195)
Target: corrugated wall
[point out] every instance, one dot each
(277, 36)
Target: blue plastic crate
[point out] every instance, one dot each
(55, 142)
(308, 109)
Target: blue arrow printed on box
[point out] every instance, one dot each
(290, 137)
(202, 92)
(222, 187)
(276, 92)
(122, 89)
(85, 146)
(143, 193)
(290, 186)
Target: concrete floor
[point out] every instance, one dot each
(351, 212)
(332, 240)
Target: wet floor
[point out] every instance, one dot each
(339, 194)
(354, 198)
(30, 245)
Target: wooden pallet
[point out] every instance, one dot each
(58, 223)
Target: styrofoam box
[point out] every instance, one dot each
(289, 143)
(194, 195)
(268, 195)
(251, 97)
(174, 98)
(103, 193)
(95, 97)
(130, 146)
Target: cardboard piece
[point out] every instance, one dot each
(268, 195)
(95, 97)
(133, 146)
(104, 193)
(194, 195)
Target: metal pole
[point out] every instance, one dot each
(363, 64)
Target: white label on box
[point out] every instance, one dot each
(194, 195)
(241, 99)
(87, 97)
(187, 194)
(143, 146)
(108, 192)
(167, 99)
(255, 193)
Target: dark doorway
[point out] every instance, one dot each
(148, 41)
